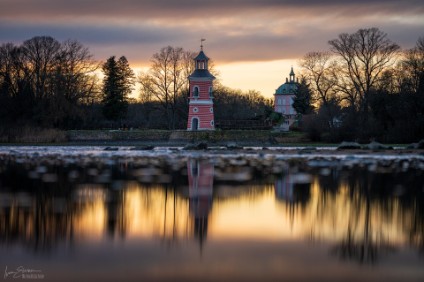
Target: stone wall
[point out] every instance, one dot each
(111, 135)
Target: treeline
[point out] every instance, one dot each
(50, 84)
(46, 83)
(363, 88)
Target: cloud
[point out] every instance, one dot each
(194, 8)
(92, 34)
(236, 30)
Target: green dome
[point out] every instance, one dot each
(288, 88)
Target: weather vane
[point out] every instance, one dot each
(201, 43)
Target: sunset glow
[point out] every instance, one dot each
(253, 43)
(147, 213)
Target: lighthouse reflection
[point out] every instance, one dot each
(200, 181)
(293, 188)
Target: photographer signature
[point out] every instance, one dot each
(19, 272)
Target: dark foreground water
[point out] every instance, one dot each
(86, 215)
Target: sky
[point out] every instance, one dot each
(253, 43)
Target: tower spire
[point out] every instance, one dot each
(201, 43)
(292, 75)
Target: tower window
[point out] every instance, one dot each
(195, 110)
(201, 65)
(212, 123)
(211, 109)
(196, 91)
(210, 92)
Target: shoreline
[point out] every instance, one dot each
(174, 138)
(211, 149)
(237, 164)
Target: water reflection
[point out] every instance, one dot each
(359, 215)
(200, 186)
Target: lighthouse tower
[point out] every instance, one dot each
(200, 115)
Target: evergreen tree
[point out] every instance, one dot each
(302, 102)
(118, 83)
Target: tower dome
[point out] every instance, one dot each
(289, 87)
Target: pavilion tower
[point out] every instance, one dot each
(200, 115)
(283, 101)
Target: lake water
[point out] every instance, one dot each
(84, 214)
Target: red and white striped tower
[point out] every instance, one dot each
(200, 115)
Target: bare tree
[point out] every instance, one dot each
(75, 72)
(41, 53)
(319, 71)
(188, 68)
(146, 94)
(364, 55)
(413, 67)
(48, 80)
(10, 69)
(167, 79)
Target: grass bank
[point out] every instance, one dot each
(41, 136)
(183, 136)
(32, 135)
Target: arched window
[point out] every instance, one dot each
(195, 91)
(210, 92)
(195, 124)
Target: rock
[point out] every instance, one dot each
(111, 149)
(349, 146)
(143, 148)
(307, 150)
(412, 146)
(420, 145)
(377, 146)
(233, 146)
(196, 146)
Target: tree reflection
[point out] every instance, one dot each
(294, 190)
(116, 221)
(366, 215)
(34, 221)
(369, 214)
(417, 228)
(374, 199)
